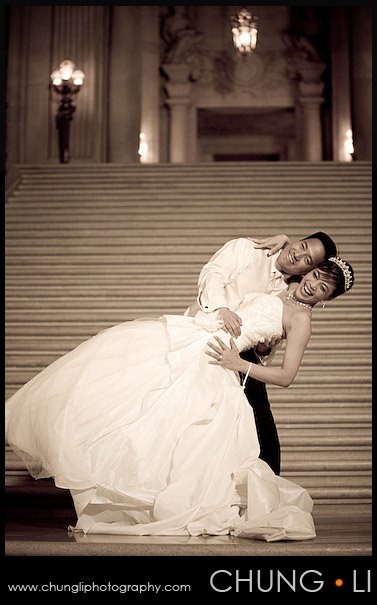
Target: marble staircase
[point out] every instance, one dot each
(88, 246)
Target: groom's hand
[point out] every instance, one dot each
(264, 348)
(232, 322)
(273, 243)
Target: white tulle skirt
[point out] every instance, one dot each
(153, 440)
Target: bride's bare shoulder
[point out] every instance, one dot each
(297, 321)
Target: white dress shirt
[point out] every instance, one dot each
(233, 272)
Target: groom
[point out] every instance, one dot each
(247, 265)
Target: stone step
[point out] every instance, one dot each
(305, 422)
(104, 232)
(289, 170)
(113, 276)
(327, 474)
(246, 224)
(72, 321)
(314, 355)
(203, 195)
(320, 441)
(167, 302)
(359, 463)
(211, 176)
(323, 407)
(126, 198)
(332, 393)
(169, 274)
(239, 221)
(113, 295)
(334, 491)
(69, 261)
(70, 326)
(336, 348)
(332, 457)
(310, 376)
(121, 286)
(20, 358)
(312, 473)
(282, 171)
(156, 253)
(316, 480)
(296, 399)
(79, 265)
(115, 305)
(125, 244)
(324, 461)
(342, 431)
(128, 282)
(209, 173)
(100, 292)
(238, 175)
(235, 175)
(343, 375)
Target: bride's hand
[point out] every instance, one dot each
(273, 243)
(224, 356)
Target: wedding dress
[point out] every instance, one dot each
(151, 439)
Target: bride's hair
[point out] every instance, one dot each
(294, 279)
(339, 273)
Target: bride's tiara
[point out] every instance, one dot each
(345, 267)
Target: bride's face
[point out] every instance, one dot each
(315, 287)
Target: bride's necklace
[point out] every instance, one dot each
(294, 299)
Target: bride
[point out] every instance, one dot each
(153, 438)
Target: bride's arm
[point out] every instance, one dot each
(298, 335)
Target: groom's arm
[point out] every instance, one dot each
(233, 257)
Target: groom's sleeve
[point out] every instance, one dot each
(232, 258)
(268, 357)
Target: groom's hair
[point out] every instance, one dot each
(328, 244)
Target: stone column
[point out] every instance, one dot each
(179, 97)
(362, 19)
(150, 82)
(28, 77)
(311, 128)
(124, 86)
(341, 110)
(310, 90)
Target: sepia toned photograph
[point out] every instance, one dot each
(188, 234)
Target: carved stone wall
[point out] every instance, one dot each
(122, 49)
(40, 38)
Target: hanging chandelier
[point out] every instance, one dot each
(244, 30)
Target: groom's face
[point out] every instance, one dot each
(302, 256)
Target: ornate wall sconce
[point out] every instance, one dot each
(66, 81)
(244, 30)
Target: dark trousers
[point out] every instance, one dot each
(256, 394)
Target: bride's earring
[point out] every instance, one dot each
(323, 304)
